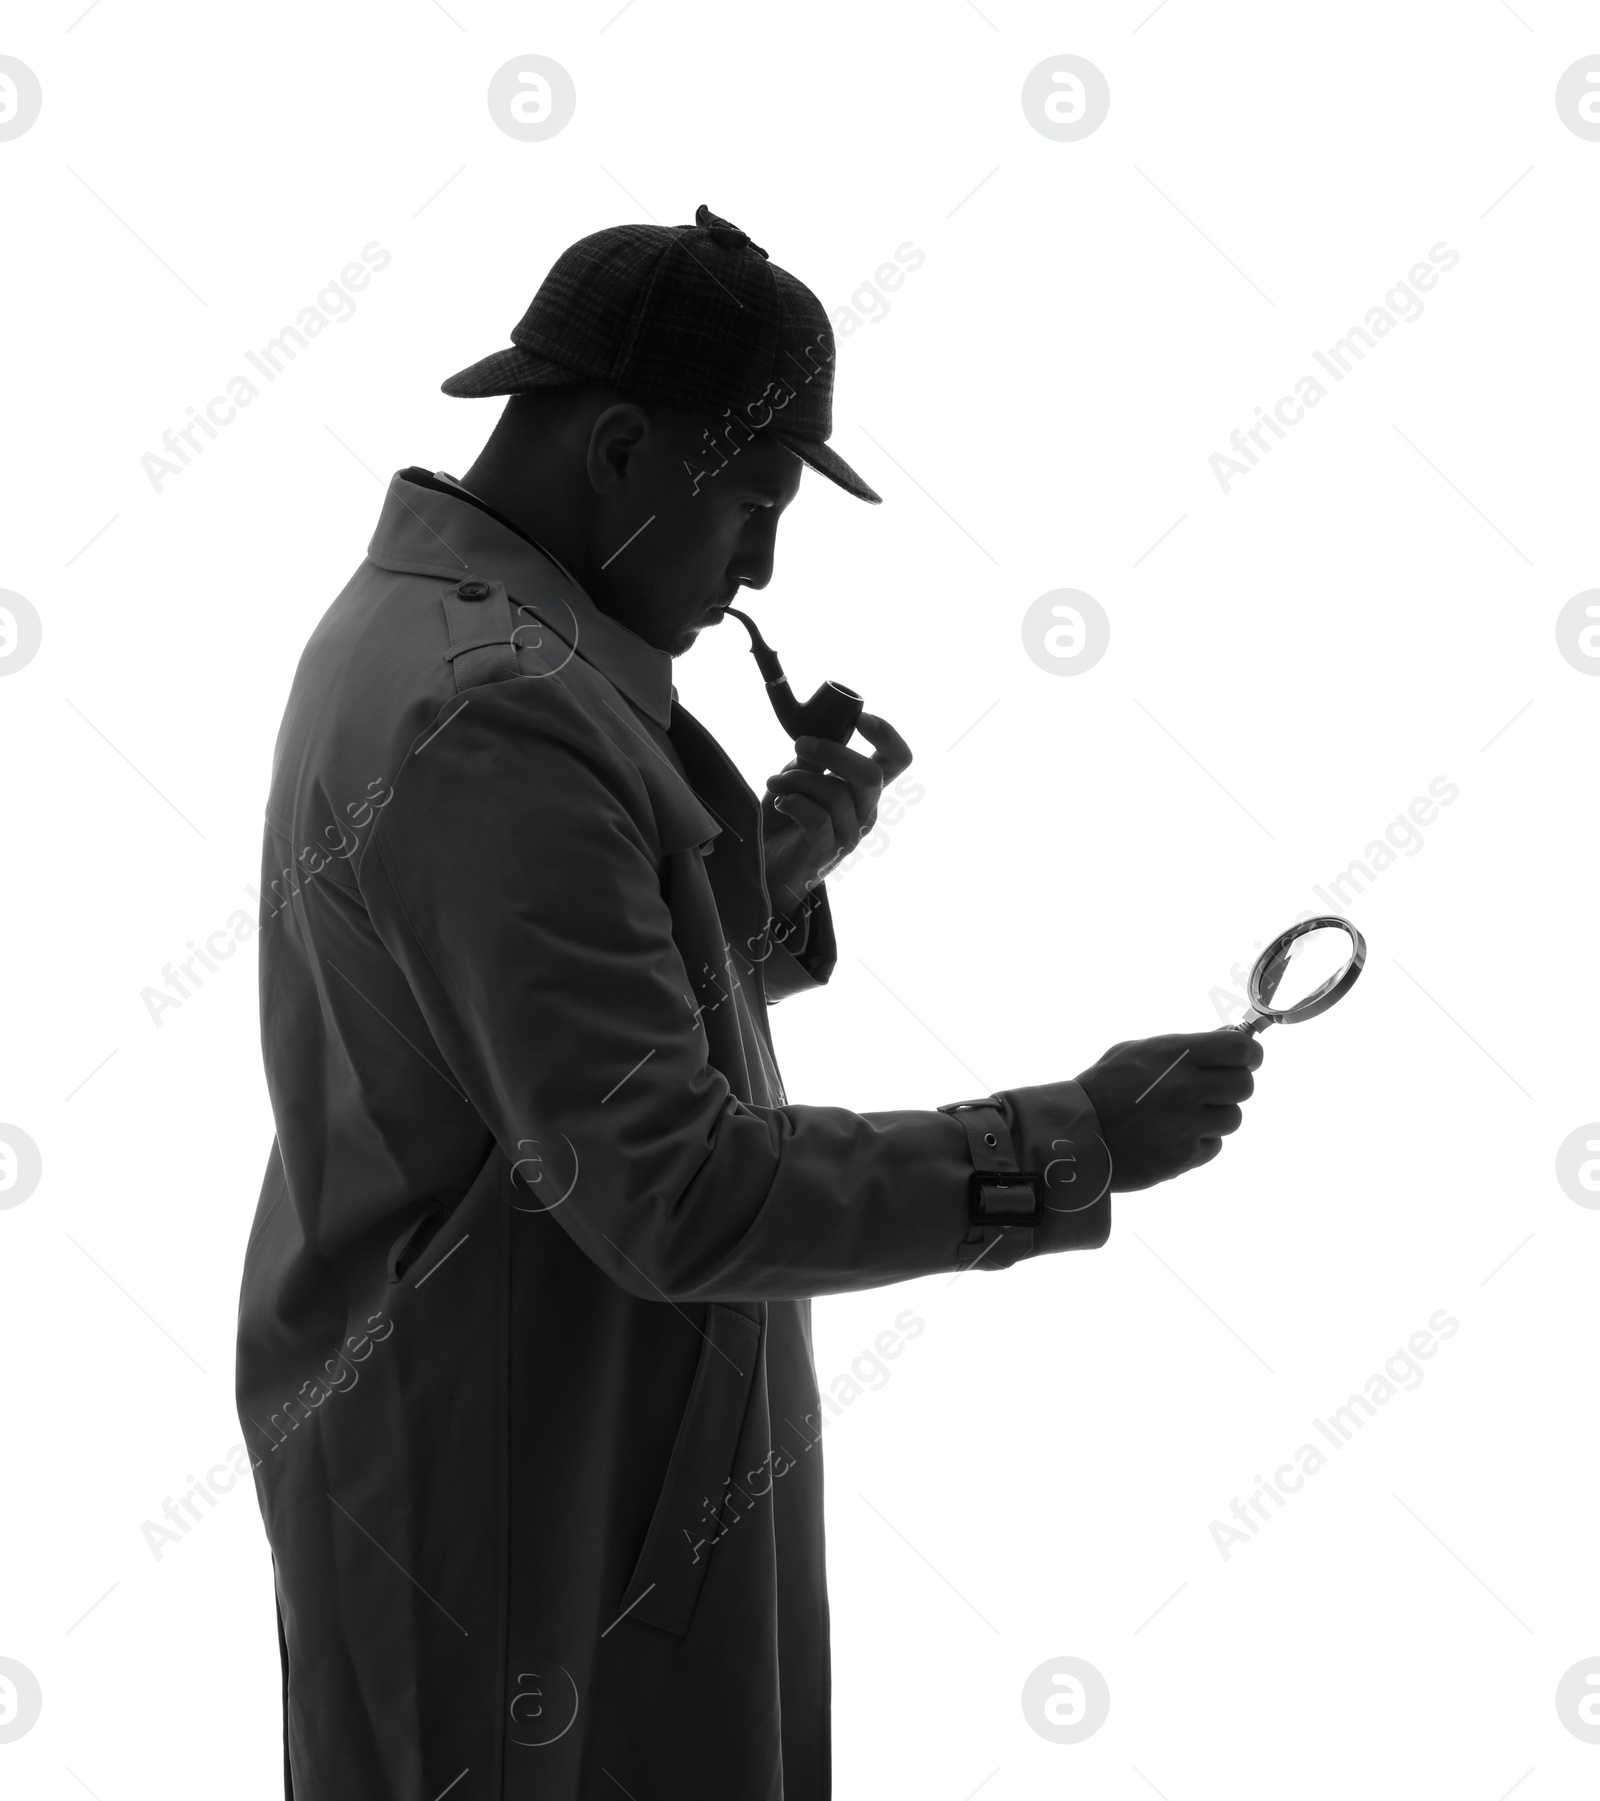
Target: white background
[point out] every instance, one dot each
(1287, 670)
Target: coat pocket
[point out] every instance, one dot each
(677, 1549)
(416, 1238)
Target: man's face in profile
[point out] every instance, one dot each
(705, 538)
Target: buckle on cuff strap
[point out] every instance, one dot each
(1005, 1198)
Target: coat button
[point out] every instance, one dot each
(473, 591)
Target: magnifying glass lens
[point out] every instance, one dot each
(1303, 968)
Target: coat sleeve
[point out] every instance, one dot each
(514, 877)
(807, 959)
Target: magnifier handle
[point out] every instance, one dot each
(1254, 1026)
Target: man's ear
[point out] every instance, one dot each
(615, 440)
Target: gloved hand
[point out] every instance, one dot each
(1165, 1104)
(813, 817)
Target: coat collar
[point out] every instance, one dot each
(423, 532)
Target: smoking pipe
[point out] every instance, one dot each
(830, 713)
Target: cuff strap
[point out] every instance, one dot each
(1004, 1203)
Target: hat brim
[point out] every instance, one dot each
(518, 371)
(512, 371)
(826, 461)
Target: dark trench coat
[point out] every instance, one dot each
(524, 1350)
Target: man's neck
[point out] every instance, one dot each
(501, 517)
(538, 503)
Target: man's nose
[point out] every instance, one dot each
(752, 569)
(751, 563)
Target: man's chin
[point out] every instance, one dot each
(712, 616)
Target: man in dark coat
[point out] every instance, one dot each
(525, 1345)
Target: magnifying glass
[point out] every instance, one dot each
(1303, 972)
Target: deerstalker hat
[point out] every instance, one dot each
(692, 315)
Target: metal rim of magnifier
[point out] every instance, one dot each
(1263, 1014)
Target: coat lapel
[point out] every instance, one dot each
(737, 870)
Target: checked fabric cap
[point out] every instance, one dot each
(690, 315)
